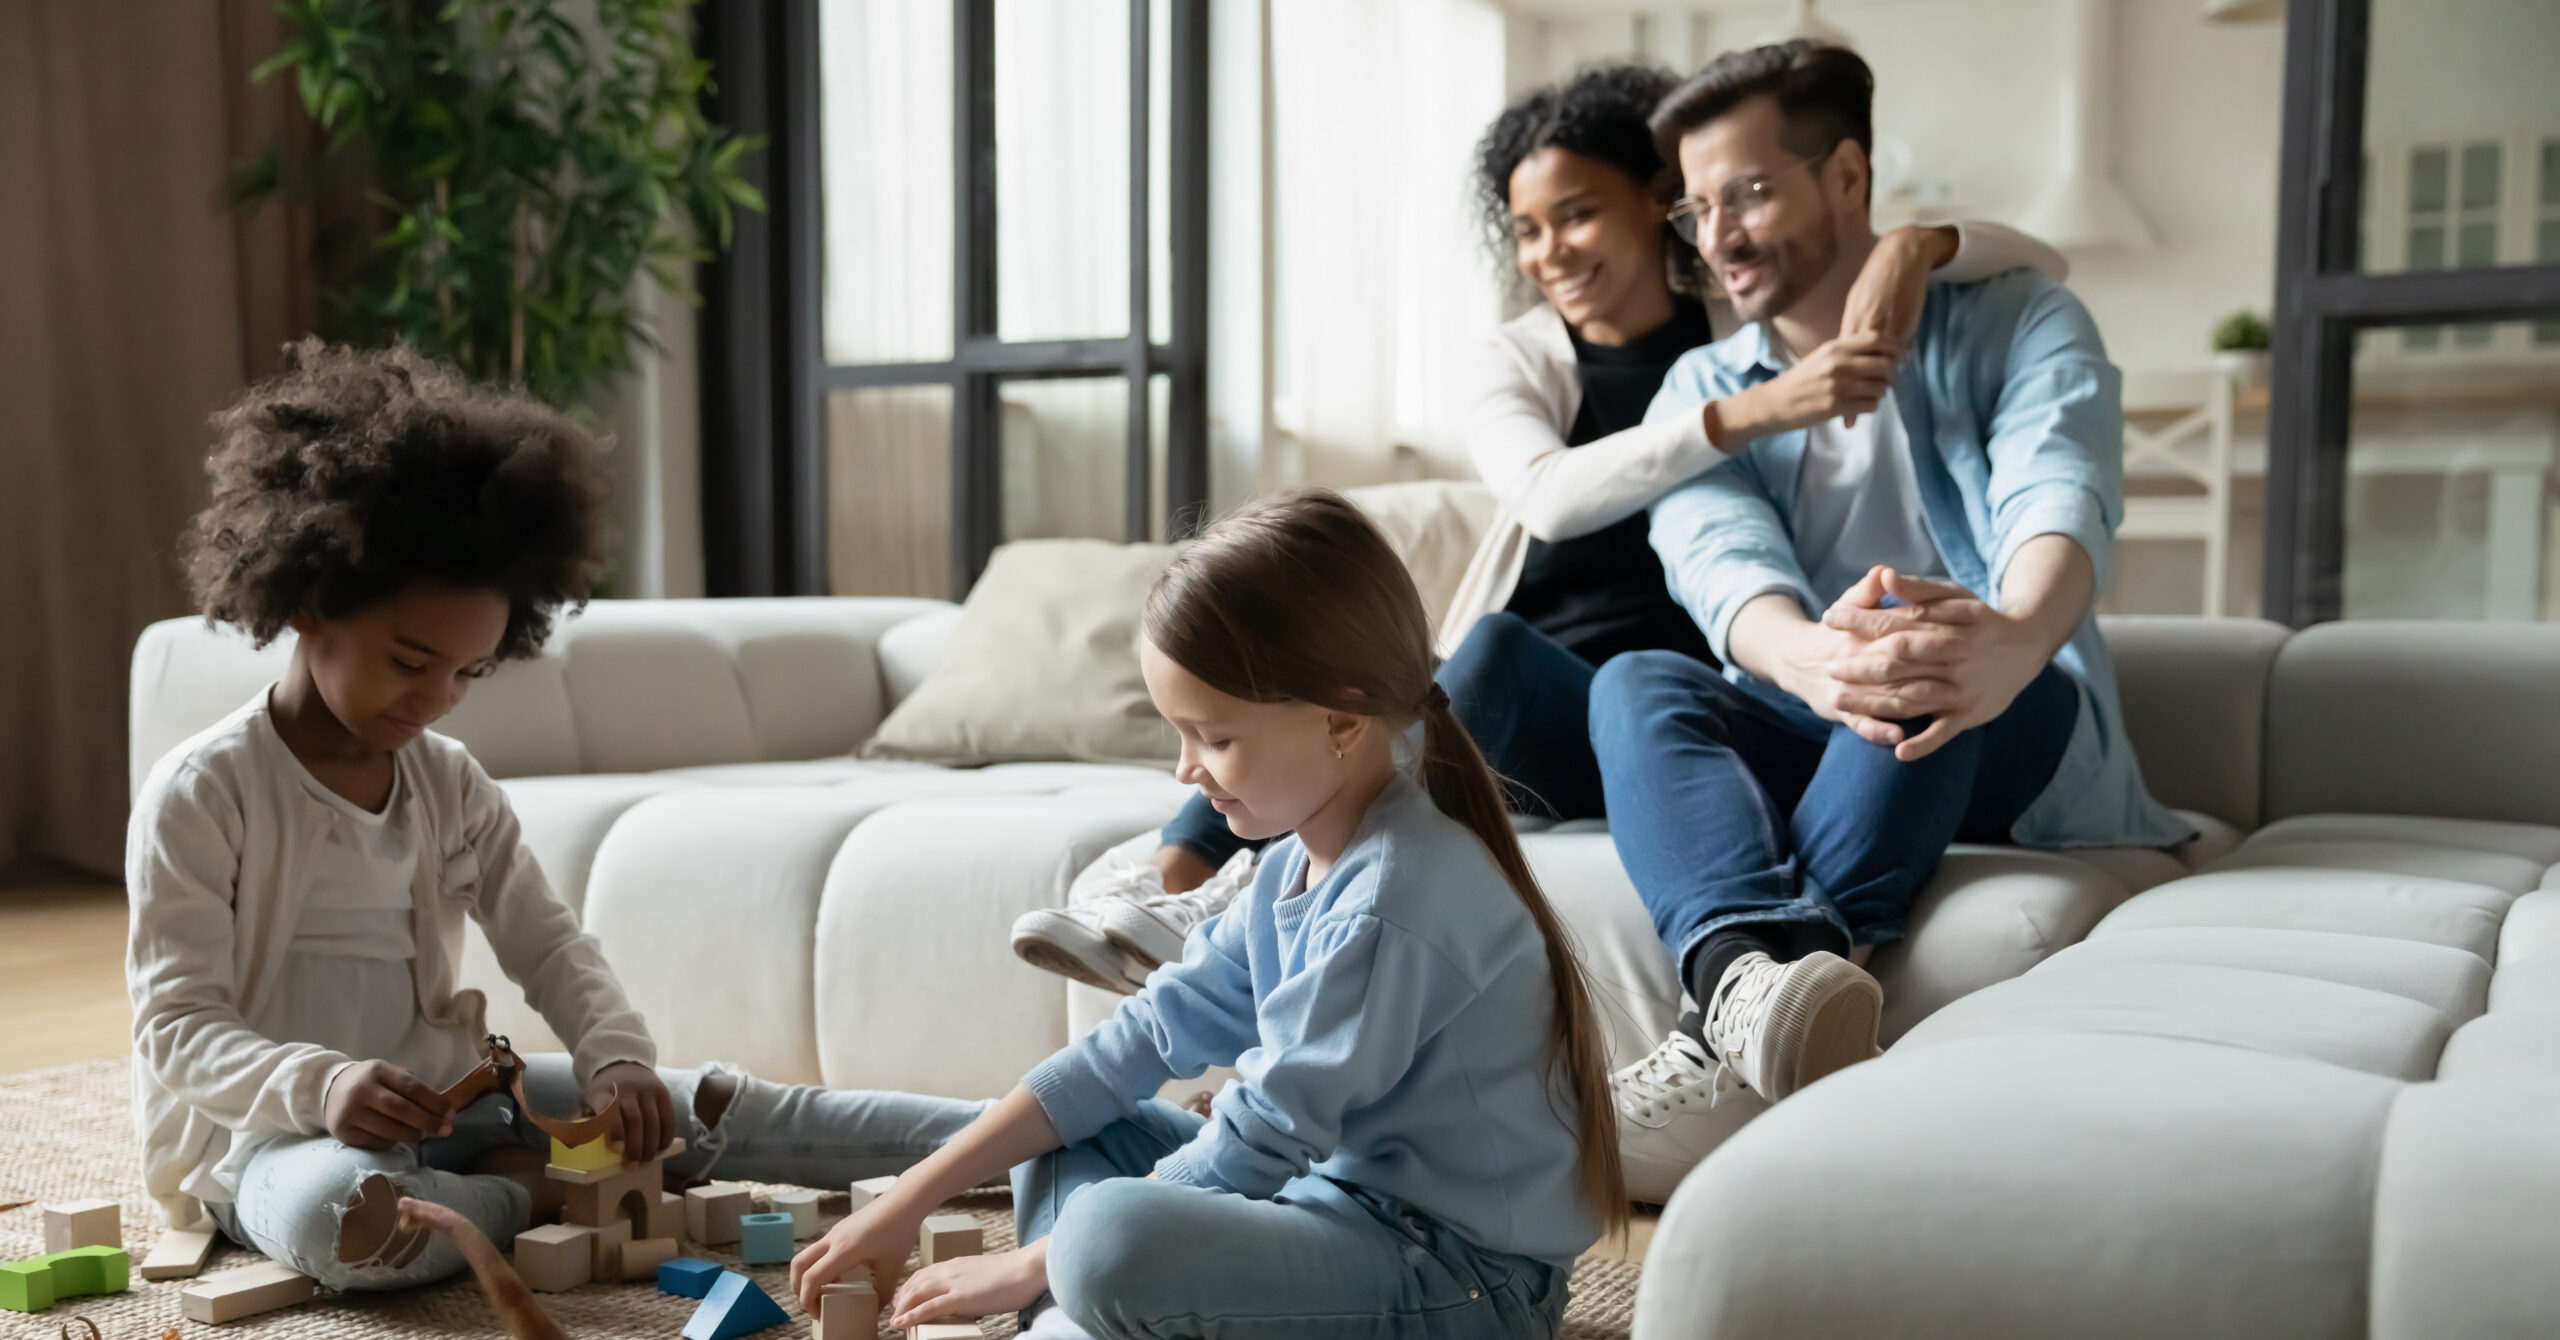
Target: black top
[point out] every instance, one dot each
(1603, 593)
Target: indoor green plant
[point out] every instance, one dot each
(494, 175)
(2240, 343)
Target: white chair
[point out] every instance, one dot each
(2195, 446)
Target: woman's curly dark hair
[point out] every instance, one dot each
(1600, 114)
(356, 475)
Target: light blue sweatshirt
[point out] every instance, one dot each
(1392, 1028)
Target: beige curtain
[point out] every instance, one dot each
(131, 306)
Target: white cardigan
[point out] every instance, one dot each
(217, 885)
(1525, 390)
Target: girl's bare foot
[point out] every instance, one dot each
(968, 1287)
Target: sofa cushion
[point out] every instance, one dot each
(2515, 1043)
(2278, 1012)
(2451, 982)
(2463, 1229)
(2084, 1185)
(1989, 914)
(1042, 665)
(2357, 902)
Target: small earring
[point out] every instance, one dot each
(1337, 755)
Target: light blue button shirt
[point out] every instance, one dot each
(2016, 426)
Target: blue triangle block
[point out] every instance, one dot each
(734, 1307)
(688, 1276)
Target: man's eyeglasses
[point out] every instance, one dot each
(1744, 200)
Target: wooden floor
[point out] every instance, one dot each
(62, 974)
(62, 993)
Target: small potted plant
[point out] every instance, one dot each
(2240, 344)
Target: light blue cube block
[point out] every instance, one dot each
(764, 1239)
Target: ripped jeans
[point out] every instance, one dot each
(294, 1191)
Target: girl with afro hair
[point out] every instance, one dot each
(300, 872)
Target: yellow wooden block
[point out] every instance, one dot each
(594, 1154)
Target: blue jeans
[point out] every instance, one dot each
(1731, 813)
(1524, 700)
(293, 1192)
(1137, 1260)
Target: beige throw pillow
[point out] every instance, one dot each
(1043, 664)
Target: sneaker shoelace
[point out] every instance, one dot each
(1189, 908)
(1741, 999)
(1128, 878)
(1663, 1079)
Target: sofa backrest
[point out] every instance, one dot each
(626, 686)
(2455, 720)
(2195, 708)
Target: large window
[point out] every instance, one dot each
(988, 279)
(2414, 426)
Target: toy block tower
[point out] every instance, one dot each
(619, 1202)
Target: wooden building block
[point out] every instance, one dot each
(246, 1292)
(666, 1218)
(868, 1190)
(596, 1153)
(945, 1236)
(556, 1257)
(625, 1195)
(711, 1213)
(802, 1206)
(83, 1223)
(735, 1306)
(764, 1239)
(608, 1249)
(688, 1277)
(37, 1284)
(849, 1311)
(641, 1257)
(944, 1330)
(179, 1254)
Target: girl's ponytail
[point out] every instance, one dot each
(1300, 598)
(1462, 785)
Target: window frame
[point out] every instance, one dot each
(2323, 300)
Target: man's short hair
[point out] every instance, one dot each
(1825, 93)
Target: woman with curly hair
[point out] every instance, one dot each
(1574, 198)
(300, 872)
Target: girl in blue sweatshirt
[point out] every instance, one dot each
(1420, 1140)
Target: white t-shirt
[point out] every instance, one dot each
(1857, 500)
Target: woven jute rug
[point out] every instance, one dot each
(66, 1133)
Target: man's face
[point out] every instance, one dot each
(1781, 234)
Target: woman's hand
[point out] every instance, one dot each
(969, 1287)
(644, 1115)
(375, 1105)
(877, 1236)
(1840, 379)
(1894, 283)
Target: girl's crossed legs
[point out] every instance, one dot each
(294, 1193)
(1138, 1258)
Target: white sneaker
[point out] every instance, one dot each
(1150, 925)
(1776, 1027)
(1068, 941)
(1670, 1116)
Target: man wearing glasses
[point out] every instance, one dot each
(1903, 597)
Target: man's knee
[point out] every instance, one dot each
(1496, 640)
(1634, 687)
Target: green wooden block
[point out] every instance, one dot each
(88, 1270)
(26, 1286)
(38, 1283)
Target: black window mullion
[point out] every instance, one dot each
(1138, 500)
(1186, 457)
(977, 465)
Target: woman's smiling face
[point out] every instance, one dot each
(1589, 237)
